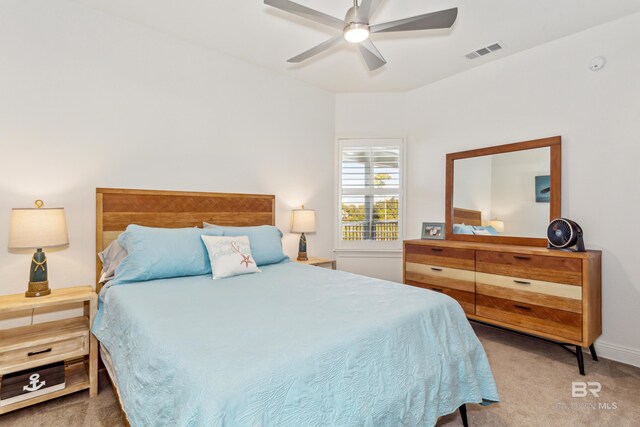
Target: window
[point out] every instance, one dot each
(370, 193)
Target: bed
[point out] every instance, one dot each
(467, 216)
(292, 345)
(469, 221)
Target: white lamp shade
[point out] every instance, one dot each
(304, 221)
(38, 228)
(498, 225)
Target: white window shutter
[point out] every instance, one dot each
(370, 192)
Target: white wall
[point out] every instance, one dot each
(370, 115)
(540, 92)
(88, 100)
(513, 198)
(473, 186)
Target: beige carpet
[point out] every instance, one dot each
(534, 380)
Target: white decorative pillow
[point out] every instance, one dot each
(111, 257)
(229, 256)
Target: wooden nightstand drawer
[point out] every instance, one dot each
(44, 343)
(37, 345)
(320, 262)
(329, 265)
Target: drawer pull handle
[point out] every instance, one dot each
(522, 282)
(522, 307)
(33, 353)
(437, 249)
(437, 289)
(524, 258)
(436, 269)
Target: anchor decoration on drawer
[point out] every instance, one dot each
(35, 383)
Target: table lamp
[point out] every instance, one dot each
(497, 225)
(304, 221)
(37, 228)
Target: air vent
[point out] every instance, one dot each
(484, 51)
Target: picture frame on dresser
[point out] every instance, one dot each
(433, 230)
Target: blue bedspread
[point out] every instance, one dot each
(292, 346)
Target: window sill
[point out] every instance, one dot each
(369, 253)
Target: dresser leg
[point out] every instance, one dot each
(580, 359)
(592, 349)
(463, 415)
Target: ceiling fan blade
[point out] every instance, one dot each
(316, 50)
(428, 21)
(371, 55)
(366, 9)
(305, 12)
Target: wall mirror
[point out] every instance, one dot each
(504, 194)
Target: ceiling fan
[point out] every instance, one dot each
(356, 27)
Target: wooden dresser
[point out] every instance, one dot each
(551, 294)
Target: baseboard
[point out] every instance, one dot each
(619, 353)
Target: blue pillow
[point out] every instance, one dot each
(265, 242)
(161, 253)
(489, 228)
(462, 229)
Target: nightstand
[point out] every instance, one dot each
(68, 340)
(320, 262)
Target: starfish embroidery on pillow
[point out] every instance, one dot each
(246, 259)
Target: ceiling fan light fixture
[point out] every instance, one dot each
(356, 33)
(356, 27)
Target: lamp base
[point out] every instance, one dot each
(38, 289)
(302, 248)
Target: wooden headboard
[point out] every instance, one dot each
(467, 216)
(117, 208)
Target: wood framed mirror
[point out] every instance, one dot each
(504, 194)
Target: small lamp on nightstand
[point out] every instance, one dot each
(304, 221)
(38, 228)
(497, 225)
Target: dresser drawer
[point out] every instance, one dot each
(546, 294)
(452, 278)
(41, 354)
(560, 323)
(463, 259)
(466, 299)
(547, 268)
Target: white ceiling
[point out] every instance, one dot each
(250, 30)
